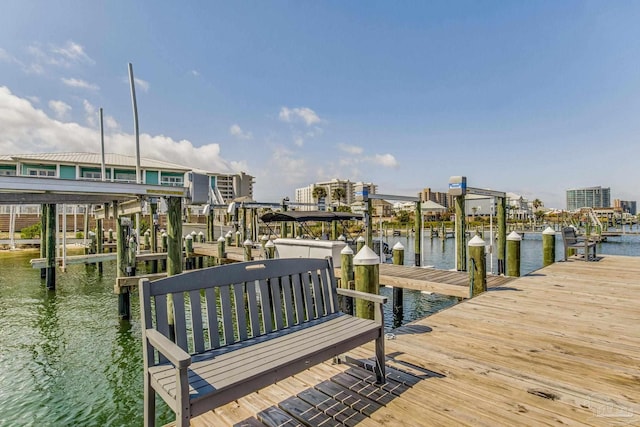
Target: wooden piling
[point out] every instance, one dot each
(418, 236)
(398, 292)
(346, 278)
(154, 236)
(221, 249)
(43, 237)
(478, 270)
(367, 279)
(247, 249)
(124, 309)
(461, 248)
(548, 247)
(369, 238)
(51, 247)
(360, 243)
(99, 241)
(270, 248)
(174, 251)
(502, 233)
(513, 254)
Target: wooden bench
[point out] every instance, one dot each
(572, 241)
(240, 327)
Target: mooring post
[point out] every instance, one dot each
(121, 266)
(85, 233)
(210, 225)
(270, 248)
(51, 247)
(188, 250)
(43, 237)
(238, 238)
(398, 292)
(263, 241)
(174, 252)
(154, 236)
(133, 247)
(93, 242)
(110, 236)
(247, 249)
(501, 213)
(201, 237)
(346, 279)
(360, 243)
(418, 236)
(99, 241)
(165, 238)
(513, 254)
(228, 238)
(221, 253)
(370, 224)
(548, 247)
(147, 239)
(461, 248)
(478, 270)
(367, 279)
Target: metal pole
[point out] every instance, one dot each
(103, 169)
(135, 122)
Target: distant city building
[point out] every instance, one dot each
(625, 206)
(304, 195)
(590, 197)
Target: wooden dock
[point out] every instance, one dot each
(558, 346)
(445, 282)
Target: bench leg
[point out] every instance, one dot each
(149, 403)
(381, 374)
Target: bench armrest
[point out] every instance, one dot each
(362, 295)
(177, 356)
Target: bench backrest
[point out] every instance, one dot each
(219, 306)
(569, 236)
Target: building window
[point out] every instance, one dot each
(8, 172)
(173, 181)
(41, 172)
(125, 177)
(91, 175)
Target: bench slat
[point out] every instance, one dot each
(196, 321)
(162, 322)
(227, 322)
(333, 286)
(297, 294)
(180, 323)
(267, 313)
(317, 294)
(288, 300)
(277, 302)
(239, 303)
(212, 317)
(308, 299)
(252, 301)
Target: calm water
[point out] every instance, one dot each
(66, 359)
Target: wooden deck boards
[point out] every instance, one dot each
(454, 283)
(560, 346)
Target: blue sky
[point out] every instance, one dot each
(520, 96)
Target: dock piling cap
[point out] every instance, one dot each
(269, 244)
(347, 250)
(477, 241)
(248, 242)
(189, 236)
(514, 236)
(360, 239)
(220, 239)
(398, 247)
(366, 256)
(548, 231)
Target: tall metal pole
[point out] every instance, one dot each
(103, 170)
(135, 122)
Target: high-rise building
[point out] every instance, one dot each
(304, 195)
(441, 198)
(625, 206)
(590, 197)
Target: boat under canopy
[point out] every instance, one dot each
(304, 216)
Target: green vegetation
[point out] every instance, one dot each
(31, 232)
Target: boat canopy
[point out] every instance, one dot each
(303, 216)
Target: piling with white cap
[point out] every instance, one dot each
(346, 278)
(247, 249)
(367, 279)
(398, 292)
(478, 267)
(513, 254)
(548, 246)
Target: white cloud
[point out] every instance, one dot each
(307, 115)
(351, 149)
(70, 53)
(237, 131)
(25, 129)
(60, 109)
(80, 84)
(142, 84)
(34, 99)
(386, 160)
(195, 73)
(298, 141)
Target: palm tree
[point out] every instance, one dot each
(319, 193)
(536, 204)
(338, 194)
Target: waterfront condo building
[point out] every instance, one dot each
(589, 197)
(305, 197)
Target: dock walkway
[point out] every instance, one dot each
(558, 346)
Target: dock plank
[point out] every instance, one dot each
(559, 346)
